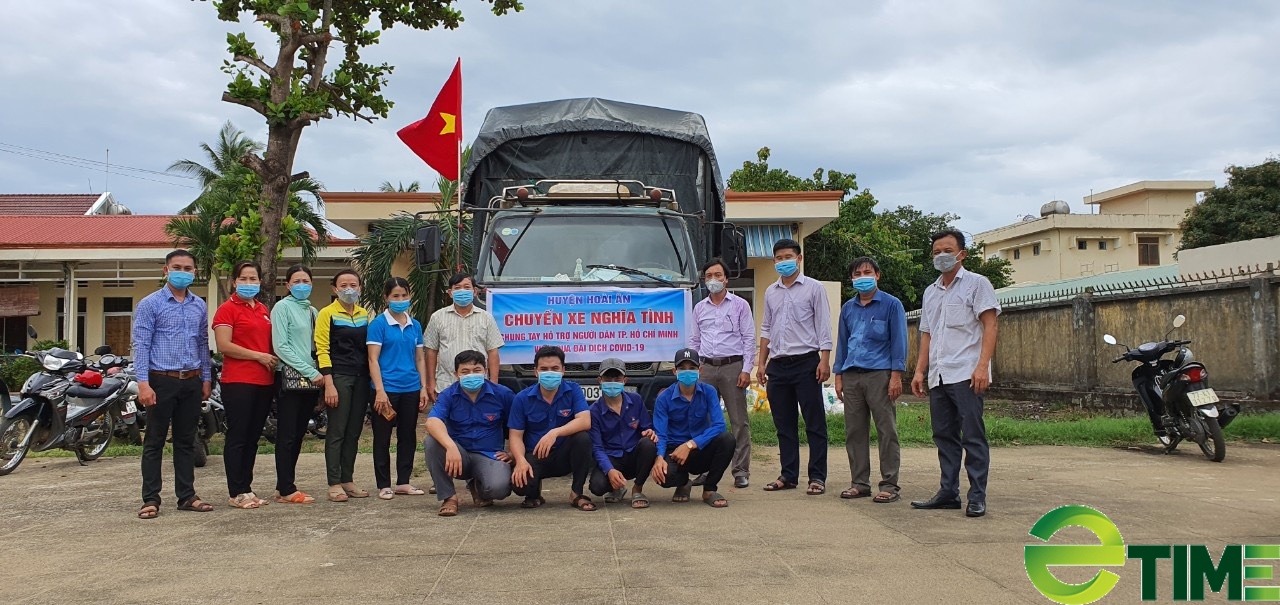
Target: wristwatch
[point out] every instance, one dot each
(693, 445)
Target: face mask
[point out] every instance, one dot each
(349, 296)
(687, 377)
(550, 380)
(247, 291)
(715, 286)
(399, 306)
(786, 268)
(181, 279)
(864, 284)
(945, 262)
(611, 389)
(300, 291)
(472, 382)
(462, 298)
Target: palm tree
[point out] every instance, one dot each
(387, 187)
(223, 159)
(199, 231)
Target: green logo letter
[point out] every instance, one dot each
(1038, 557)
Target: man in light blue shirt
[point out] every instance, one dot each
(871, 354)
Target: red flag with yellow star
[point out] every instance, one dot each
(437, 138)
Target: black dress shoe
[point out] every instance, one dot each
(936, 503)
(976, 509)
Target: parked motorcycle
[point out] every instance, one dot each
(59, 412)
(1176, 394)
(213, 417)
(127, 410)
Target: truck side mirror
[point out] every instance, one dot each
(733, 248)
(102, 350)
(426, 246)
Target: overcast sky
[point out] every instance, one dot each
(985, 109)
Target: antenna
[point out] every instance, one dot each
(90, 184)
(107, 170)
(1093, 208)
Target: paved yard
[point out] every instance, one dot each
(70, 535)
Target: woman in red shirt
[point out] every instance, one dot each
(242, 329)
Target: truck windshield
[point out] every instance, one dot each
(562, 249)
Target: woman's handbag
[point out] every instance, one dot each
(293, 382)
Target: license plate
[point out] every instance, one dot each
(1202, 397)
(129, 407)
(592, 391)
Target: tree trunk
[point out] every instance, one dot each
(282, 144)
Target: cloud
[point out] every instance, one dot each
(985, 109)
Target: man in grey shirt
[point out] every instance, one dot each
(794, 360)
(957, 340)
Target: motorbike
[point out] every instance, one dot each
(213, 417)
(1176, 394)
(317, 425)
(128, 425)
(57, 411)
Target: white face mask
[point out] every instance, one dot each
(715, 286)
(945, 262)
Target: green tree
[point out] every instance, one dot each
(301, 87)
(917, 227)
(1247, 207)
(222, 158)
(387, 187)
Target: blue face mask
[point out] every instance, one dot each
(687, 377)
(864, 284)
(462, 298)
(550, 380)
(472, 382)
(399, 306)
(786, 268)
(611, 389)
(247, 291)
(181, 279)
(300, 291)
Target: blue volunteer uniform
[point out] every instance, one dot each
(531, 413)
(678, 420)
(617, 434)
(475, 426)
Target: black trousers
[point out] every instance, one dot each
(247, 406)
(293, 412)
(406, 427)
(712, 460)
(635, 464)
(794, 385)
(571, 457)
(177, 402)
(956, 414)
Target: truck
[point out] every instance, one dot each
(591, 220)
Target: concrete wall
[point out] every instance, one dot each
(1056, 351)
(1225, 257)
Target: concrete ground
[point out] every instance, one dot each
(71, 536)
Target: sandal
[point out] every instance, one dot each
(243, 501)
(150, 510)
(534, 502)
(639, 501)
(259, 501)
(616, 495)
(337, 494)
(816, 488)
(405, 489)
(583, 503)
(195, 505)
(449, 507)
(294, 498)
(386, 493)
(714, 500)
(881, 498)
(779, 485)
(854, 492)
(355, 492)
(476, 500)
(682, 494)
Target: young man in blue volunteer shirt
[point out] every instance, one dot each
(549, 437)
(464, 436)
(691, 436)
(622, 438)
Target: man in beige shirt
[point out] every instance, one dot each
(456, 328)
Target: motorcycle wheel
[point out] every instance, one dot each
(12, 430)
(202, 452)
(93, 451)
(133, 433)
(1213, 445)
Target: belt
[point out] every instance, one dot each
(179, 374)
(857, 370)
(722, 361)
(792, 359)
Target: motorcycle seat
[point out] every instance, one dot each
(109, 386)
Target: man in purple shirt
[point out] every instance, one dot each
(796, 333)
(724, 334)
(171, 357)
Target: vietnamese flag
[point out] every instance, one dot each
(437, 138)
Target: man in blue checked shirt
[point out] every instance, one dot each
(549, 433)
(622, 438)
(871, 354)
(691, 436)
(171, 357)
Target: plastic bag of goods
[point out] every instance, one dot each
(830, 401)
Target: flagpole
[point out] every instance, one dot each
(458, 257)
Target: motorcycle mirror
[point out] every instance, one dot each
(102, 350)
(1109, 339)
(1179, 321)
(31, 331)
